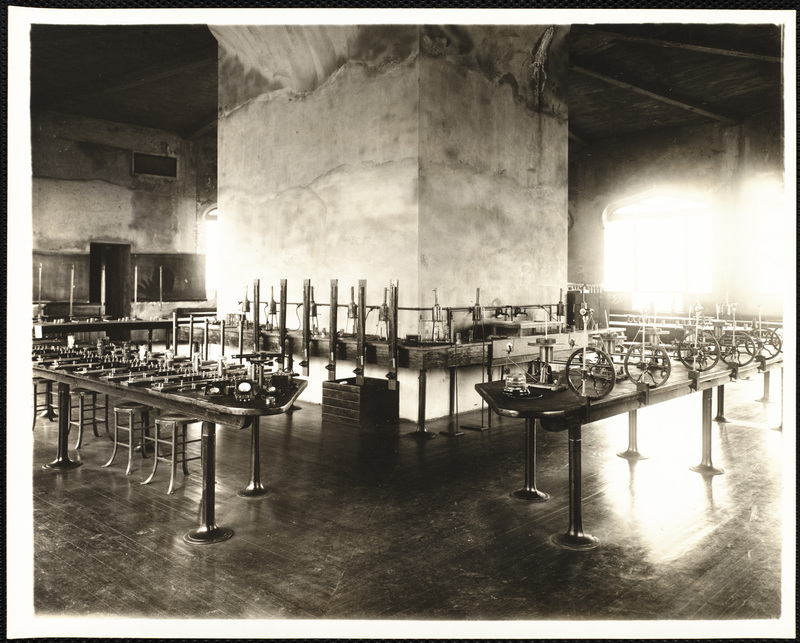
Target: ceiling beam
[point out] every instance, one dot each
(655, 95)
(580, 140)
(689, 47)
(131, 80)
(199, 129)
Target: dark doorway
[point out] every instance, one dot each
(116, 259)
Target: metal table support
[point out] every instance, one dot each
(421, 433)
(529, 491)
(254, 489)
(706, 467)
(632, 452)
(208, 532)
(721, 404)
(575, 538)
(62, 460)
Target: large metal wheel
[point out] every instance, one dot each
(698, 352)
(768, 342)
(590, 373)
(647, 364)
(737, 348)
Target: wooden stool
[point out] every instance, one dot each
(47, 393)
(125, 419)
(177, 441)
(85, 403)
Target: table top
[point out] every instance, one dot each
(624, 397)
(102, 324)
(221, 409)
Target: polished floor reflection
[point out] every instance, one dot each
(366, 523)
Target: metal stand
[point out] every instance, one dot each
(254, 489)
(62, 461)
(208, 532)
(574, 538)
(706, 467)
(632, 452)
(529, 491)
(454, 432)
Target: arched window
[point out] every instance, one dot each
(658, 248)
(212, 252)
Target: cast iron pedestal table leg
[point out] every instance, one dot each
(529, 491)
(720, 404)
(208, 532)
(62, 460)
(632, 453)
(421, 433)
(574, 538)
(254, 489)
(706, 467)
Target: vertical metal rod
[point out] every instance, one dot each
(392, 335)
(191, 334)
(282, 324)
(256, 316)
(706, 467)
(361, 331)
(175, 332)
(222, 337)
(241, 337)
(205, 339)
(306, 323)
(334, 336)
(208, 532)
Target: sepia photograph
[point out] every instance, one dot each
(401, 323)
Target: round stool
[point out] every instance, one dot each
(176, 440)
(42, 388)
(126, 414)
(85, 403)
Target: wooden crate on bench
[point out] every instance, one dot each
(372, 402)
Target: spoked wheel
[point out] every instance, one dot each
(698, 353)
(647, 364)
(591, 376)
(768, 342)
(738, 349)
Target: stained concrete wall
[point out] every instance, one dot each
(84, 189)
(444, 169)
(493, 164)
(722, 162)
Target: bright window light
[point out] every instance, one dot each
(650, 252)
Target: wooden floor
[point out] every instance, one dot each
(369, 524)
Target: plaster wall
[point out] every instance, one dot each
(394, 166)
(720, 162)
(84, 189)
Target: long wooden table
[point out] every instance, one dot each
(53, 329)
(564, 411)
(224, 410)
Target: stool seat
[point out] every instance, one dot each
(175, 417)
(128, 405)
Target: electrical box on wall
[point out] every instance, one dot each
(154, 165)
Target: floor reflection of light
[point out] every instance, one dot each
(662, 505)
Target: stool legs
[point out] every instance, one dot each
(133, 430)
